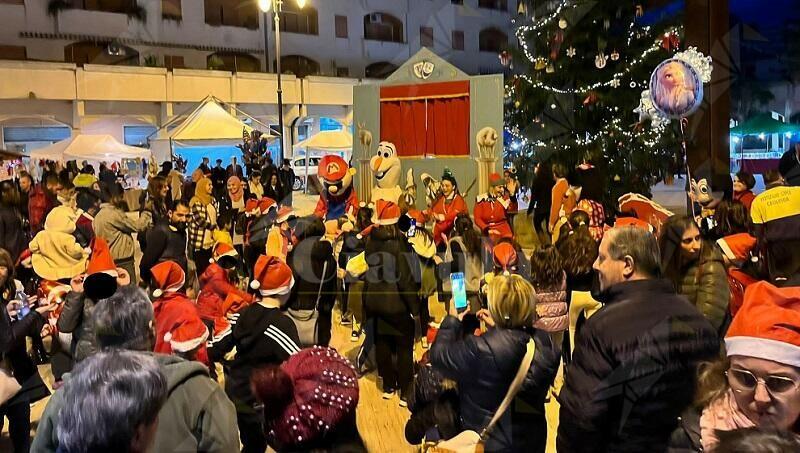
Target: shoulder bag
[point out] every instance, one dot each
(472, 442)
(306, 321)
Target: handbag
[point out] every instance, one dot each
(306, 320)
(8, 384)
(470, 441)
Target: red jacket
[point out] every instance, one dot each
(171, 311)
(746, 198)
(39, 205)
(215, 289)
(490, 214)
(335, 207)
(449, 209)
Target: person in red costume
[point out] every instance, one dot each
(217, 287)
(338, 197)
(179, 329)
(446, 208)
(490, 212)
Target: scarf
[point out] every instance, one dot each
(722, 414)
(202, 192)
(238, 193)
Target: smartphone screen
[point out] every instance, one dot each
(24, 308)
(412, 230)
(459, 290)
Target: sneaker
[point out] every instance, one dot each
(403, 402)
(388, 394)
(354, 336)
(424, 341)
(347, 319)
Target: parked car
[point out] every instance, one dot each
(299, 167)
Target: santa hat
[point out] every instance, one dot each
(284, 214)
(187, 336)
(271, 276)
(496, 180)
(737, 247)
(251, 207)
(266, 204)
(307, 396)
(505, 257)
(332, 168)
(622, 222)
(24, 259)
(768, 325)
(101, 272)
(168, 277)
(221, 250)
(417, 215)
(386, 213)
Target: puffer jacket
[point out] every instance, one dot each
(215, 289)
(392, 279)
(551, 309)
(484, 367)
(634, 370)
(76, 318)
(705, 284)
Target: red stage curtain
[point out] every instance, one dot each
(426, 120)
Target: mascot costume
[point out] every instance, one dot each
(386, 168)
(338, 197)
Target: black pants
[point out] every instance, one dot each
(424, 316)
(19, 425)
(251, 432)
(201, 258)
(324, 321)
(387, 347)
(212, 369)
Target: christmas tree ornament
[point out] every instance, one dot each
(540, 64)
(505, 58)
(647, 110)
(517, 104)
(555, 44)
(521, 9)
(550, 69)
(639, 10)
(571, 52)
(614, 55)
(590, 99)
(563, 24)
(670, 41)
(633, 84)
(606, 24)
(600, 60)
(615, 83)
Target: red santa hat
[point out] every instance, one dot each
(737, 247)
(496, 180)
(223, 249)
(101, 272)
(505, 257)
(284, 214)
(168, 276)
(24, 259)
(251, 206)
(187, 336)
(266, 204)
(386, 213)
(332, 168)
(271, 276)
(622, 222)
(768, 325)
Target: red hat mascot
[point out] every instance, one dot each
(338, 197)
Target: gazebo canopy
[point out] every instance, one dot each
(341, 140)
(90, 147)
(209, 122)
(764, 124)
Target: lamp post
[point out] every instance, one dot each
(276, 5)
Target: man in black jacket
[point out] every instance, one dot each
(634, 367)
(166, 241)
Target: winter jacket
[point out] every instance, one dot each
(12, 236)
(307, 261)
(490, 215)
(425, 250)
(76, 318)
(484, 367)
(56, 254)
(705, 284)
(633, 370)
(392, 280)
(687, 438)
(551, 309)
(215, 289)
(197, 415)
(460, 261)
(171, 311)
(746, 198)
(14, 350)
(450, 209)
(164, 242)
(40, 203)
(113, 225)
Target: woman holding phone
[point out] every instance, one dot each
(15, 325)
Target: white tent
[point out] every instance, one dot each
(90, 147)
(341, 140)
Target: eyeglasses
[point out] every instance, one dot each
(744, 381)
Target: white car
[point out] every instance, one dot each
(299, 167)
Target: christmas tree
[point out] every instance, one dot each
(575, 80)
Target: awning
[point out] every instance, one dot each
(764, 124)
(341, 140)
(90, 147)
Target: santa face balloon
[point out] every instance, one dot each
(386, 166)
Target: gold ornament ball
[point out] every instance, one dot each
(562, 24)
(517, 104)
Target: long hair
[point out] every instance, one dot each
(578, 253)
(363, 218)
(8, 288)
(711, 381)
(732, 218)
(9, 195)
(547, 270)
(669, 243)
(154, 187)
(463, 227)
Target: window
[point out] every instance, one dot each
(137, 135)
(458, 40)
(426, 36)
(383, 27)
(173, 62)
(380, 70)
(36, 134)
(108, 6)
(232, 12)
(296, 20)
(13, 53)
(341, 26)
(234, 62)
(299, 65)
(492, 40)
(111, 53)
(342, 72)
(171, 9)
(493, 4)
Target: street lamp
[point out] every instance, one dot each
(276, 5)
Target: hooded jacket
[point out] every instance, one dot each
(705, 284)
(307, 261)
(215, 288)
(113, 225)
(56, 254)
(197, 415)
(392, 279)
(484, 367)
(633, 370)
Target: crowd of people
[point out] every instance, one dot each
(651, 334)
